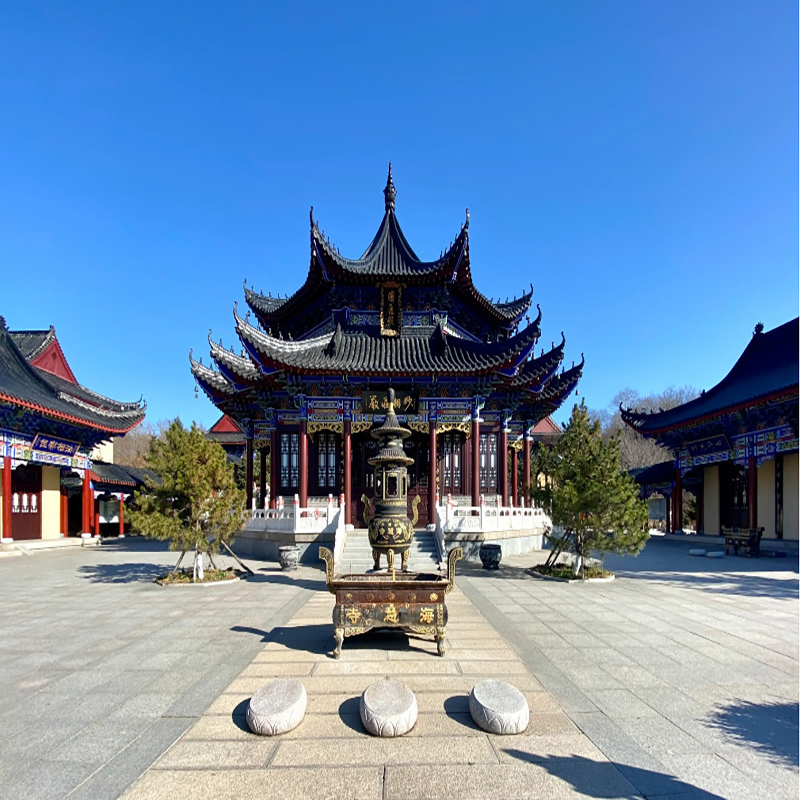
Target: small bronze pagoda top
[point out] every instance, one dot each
(392, 433)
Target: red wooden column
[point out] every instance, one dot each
(752, 491)
(433, 463)
(7, 497)
(303, 464)
(248, 471)
(86, 491)
(122, 516)
(526, 468)
(515, 476)
(347, 454)
(96, 510)
(262, 475)
(503, 448)
(476, 460)
(677, 515)
(273, 468)
(64, 511)
(668, 504)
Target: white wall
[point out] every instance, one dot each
(765, 498)
(51, 502)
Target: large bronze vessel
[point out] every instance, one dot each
(390, 529)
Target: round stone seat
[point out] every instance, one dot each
(498, 707)
(697, 551)
(388, 708)
(277, 707)
(715, 554)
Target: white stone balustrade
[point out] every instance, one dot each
(314, 519)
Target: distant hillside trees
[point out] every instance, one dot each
(634, 450)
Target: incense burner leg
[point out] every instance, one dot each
(441, 647)
(405, 560)
(390, 559)
(338, 637)
(376, 557)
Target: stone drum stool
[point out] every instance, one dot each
(277, 707)
(498, 707)
(388, 708)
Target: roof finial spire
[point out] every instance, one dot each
(390, 192)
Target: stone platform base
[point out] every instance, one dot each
(265, 544)
(512, 543)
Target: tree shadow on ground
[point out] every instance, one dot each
(739, 583)
(134, 544)
(266, 575)
(610, 779)
(505, 572)
(771, 729)
(123, 573)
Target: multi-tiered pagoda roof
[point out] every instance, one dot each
(387, 317)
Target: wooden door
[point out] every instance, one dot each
(26, 502)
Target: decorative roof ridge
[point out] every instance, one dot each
(548, 361)
(208, 377)
(137, 410)
(231, 359)
(389, 233)
(260, 299)
(47, 335)
(245, 330)
(121, 405)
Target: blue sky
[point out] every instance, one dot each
(636, 161)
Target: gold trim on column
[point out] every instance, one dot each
(464, 427)
(336, 427)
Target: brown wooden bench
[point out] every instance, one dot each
(749, 539)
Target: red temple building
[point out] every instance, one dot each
(310, 373)
(735, 446)
(53, 431)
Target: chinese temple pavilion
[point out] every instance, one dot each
(51, 430)
(312, 376)
(736, 445)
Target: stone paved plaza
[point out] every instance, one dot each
(679, 679)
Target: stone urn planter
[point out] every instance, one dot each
(289, 556)
(490, 555)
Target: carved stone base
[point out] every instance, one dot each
(277, 707)
(498, 707)
(388, 708)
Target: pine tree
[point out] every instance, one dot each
(196, 505)
(587, 494)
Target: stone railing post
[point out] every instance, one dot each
(296, 521)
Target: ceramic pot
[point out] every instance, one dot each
(288, 556)
(490, 555)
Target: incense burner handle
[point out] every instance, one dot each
(327, 556)
(454, 555)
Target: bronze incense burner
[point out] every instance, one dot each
(410, 601)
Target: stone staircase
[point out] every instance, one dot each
(357, 557)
